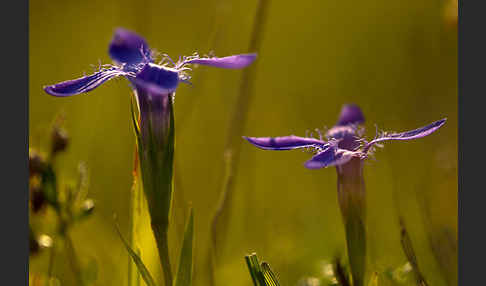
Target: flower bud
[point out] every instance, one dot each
(36, 244)
(60, 140)
(88, 207)
(37, 163)
(44, 241)
(37, 199)
(33, 244)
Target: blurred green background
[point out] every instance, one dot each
(396, 59)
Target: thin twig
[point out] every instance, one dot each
(50, 267)
(131, 210)
(74, 262)
(237, 124)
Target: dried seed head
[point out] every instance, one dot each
(37, 163)
(44, 241)
(38, 243)
(33, 244)
(37, 199)
(60, 140)
(88, 206)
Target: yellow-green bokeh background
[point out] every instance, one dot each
(396, 59)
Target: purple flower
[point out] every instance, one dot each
(134, 61)
(343, 142)
(154, 86)
(345, 148)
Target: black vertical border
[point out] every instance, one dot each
(472, 168)
(14, 23)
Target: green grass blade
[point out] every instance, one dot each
(340, 273)
(270, 277)
(410, 254)
(261, 274)
(373, 279)
(255, 270)
(136, 127)
(252, 271)
(138, 262)
(184, 273)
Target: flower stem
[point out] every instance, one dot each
(351, 196)
(73, 258)
(50, 267)
(161, 239)
(155, 141)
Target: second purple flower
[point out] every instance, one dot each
(342, 142)
(345, 147)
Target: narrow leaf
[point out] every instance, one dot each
(136, 126)
(373, 279)
(340, 273)
(252, 271)
(255, 270)
(49, 186)
(410, 254)
(270, 277)
(184, 273)
(261, 274)
(137, 260)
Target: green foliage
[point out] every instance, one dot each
(340, 273)
(69, 203)
(270, 278)
(49, 186)
(261, 274)
(184, 272)
(356, 246)
(155, 145)
(138, 262)
(410, 254)
(373, 279)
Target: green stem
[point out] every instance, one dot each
(351, 195)
(356, 244)
(156, 140)
(73, 259)
(50, 266)
(161, 239)
(134, 213)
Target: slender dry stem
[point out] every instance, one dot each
(236, 127)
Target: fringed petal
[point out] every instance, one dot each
(408, 135)
(285, 142)
(84, 84)
(231, 62)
